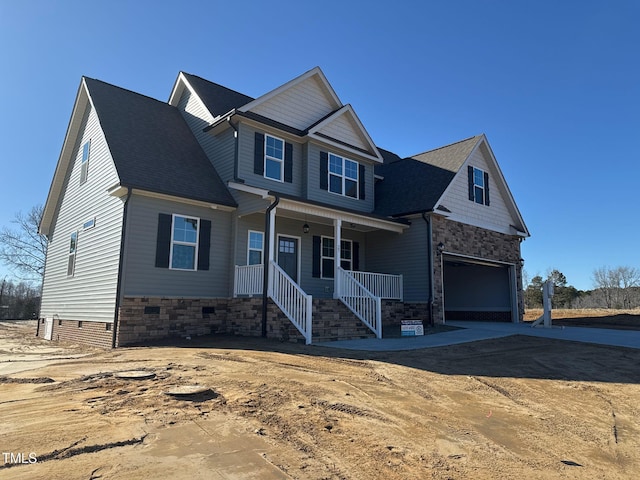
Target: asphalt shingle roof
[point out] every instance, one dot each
(152, 146)
(415, 184)
(218, 99)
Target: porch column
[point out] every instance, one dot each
(272, 245)
(337, 228)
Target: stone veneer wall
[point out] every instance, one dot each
(475, 242)
(393, 312)
(180, 317)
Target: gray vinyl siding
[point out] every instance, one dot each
(219, 148)
(313, 182)
(90, 294)
(245, 166)
(143, 278)
(318, 287)
(402, 254)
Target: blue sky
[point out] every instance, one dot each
(554, 85)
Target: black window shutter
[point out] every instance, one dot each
(258, 154)
(356, 256)
(204, 244)
(288, 163)
(316, 256)
(471, 193)
(361, 177)
(163, 240)
(324, 171)
(486, 188)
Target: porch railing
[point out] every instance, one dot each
(364, 304)
(381, 285)
(291, 299)
(248, 280)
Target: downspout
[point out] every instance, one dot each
(235, 151)
(429, 265)
(265, 263)
(120, 266)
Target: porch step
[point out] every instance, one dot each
(332, 320)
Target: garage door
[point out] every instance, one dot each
(477, 290)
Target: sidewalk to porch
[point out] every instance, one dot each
(475, 331)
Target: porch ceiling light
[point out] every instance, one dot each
(440, 248)
(306, 228)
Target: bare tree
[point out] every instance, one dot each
(22, 248)
(617, 285)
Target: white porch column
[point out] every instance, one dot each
(272, 246)
(337, 228)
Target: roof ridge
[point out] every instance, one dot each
(125, 89)
(216, 84)
(445, 146)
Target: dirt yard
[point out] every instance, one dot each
(514, 408)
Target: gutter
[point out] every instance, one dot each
(120, 266)
(235, 151)
(265, 263)
(430, 264)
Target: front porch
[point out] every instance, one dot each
(306, 252)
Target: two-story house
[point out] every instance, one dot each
(277, 216)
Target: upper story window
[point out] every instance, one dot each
(255, 248)
(478, 186)
(84, 165)
(273, 158)
(73, 247)
(343, 176)
(184, 242)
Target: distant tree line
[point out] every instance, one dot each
(614, 288)
(18, 301)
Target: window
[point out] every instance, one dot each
(343, 176)
(84, 165)
(73, 246)
(89, 224)
(327, 256)
(184, 242)
(255, 248)
(478, 186)
(273, 158)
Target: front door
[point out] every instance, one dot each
(288, 256)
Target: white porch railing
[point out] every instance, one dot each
(291, 299)
(248, 280)
(364, 304)
(381, 285)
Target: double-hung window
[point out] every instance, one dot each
(73, 247)
(478, 186)
(184, 242)
(343, 176)
(273, 158)
(84, 164)
(327, 256)
(255, 248)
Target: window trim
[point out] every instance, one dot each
(249, 249)
(91, 223)
(73, 250)
(84, 161)
(475, 185)
(195, 244)
(343, 176)
(323, 257)
(274, 159)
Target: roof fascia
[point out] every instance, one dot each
(174, 99)
(173, 198)
(348, 110)
(316, 71)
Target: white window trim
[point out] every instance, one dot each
(84, 162)
(274, 159)
(323, 257)
(249, 249)
(343, 176)
(475, 198)
(72, 254)
(91, 223)
(190, 244)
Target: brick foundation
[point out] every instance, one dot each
(393, 312)
(97, 334)
(478, 316)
